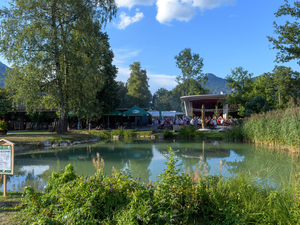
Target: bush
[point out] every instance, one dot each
(102, 133)
(189, 132)
(234, 134)
(168, 133)
(129, 133)
(177, 198)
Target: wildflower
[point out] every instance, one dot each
(111, 189)
(78, 176)
(294, 196)
(91, 204)
(129, 175)
(151, 208)
(80, 199)
(96, 184)
(172, 203)
(102, 182)
(70, 183)
(130, 185)
(122, 173)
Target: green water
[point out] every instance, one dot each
(145, 159)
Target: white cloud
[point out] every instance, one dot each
(184, 10)
(167, 10)
(127, 20)
(122, 55)
(157, 81)
(210, 4)
(130, 3)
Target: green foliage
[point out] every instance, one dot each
(277, 127)
(123, 95)
(240, 82)
(5, 102)
(3, 125)
(58, 53)
(287, 42)
(37, 117)
(129, 133)
(161, 100)
(234, 134)
(177, 198)
(189, 132)
(120, 131)
(102, 133)
(256, 105)
(168, 133)
(138, 87)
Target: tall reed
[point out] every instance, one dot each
(277, 127)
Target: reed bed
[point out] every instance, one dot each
(276, 127)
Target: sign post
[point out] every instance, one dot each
(7, 153)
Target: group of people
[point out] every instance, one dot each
(209, 121)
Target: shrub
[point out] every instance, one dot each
(120, 131)
(102, 133)
(234, 134)
(168, 133)
(3, 125)
(177, 198)
(189, 132)
(129, 133)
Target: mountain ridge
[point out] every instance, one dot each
(217, 84)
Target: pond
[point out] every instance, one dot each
(145, 159)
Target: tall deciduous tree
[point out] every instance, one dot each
(161, 100)
(287, 42)
(191, 68)
(55, 50)
(240, 82)
(138, 87)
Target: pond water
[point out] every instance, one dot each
(145, 159)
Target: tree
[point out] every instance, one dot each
(55, 50)
(138, 87)
(5, 103)
(191, 68)
(240, 82)
(256, 105)
(122, 86)
(161, 100)
(287, 42)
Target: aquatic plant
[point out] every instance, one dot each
(277, 127)
(176, 198)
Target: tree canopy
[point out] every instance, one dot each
(287, 42)
(190, 65)
(56, 51)
(138, 87)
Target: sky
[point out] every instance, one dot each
(225, 33)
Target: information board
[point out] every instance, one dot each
(5, 159)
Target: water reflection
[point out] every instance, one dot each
(146, 159)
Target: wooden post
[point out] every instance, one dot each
(203, 116)
(4, 185)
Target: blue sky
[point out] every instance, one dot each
(225, 33)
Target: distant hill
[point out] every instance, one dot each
(217, 84)
(2, 76)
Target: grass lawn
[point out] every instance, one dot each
(7, 206)
(34, 137)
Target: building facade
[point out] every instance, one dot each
(212, 103)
